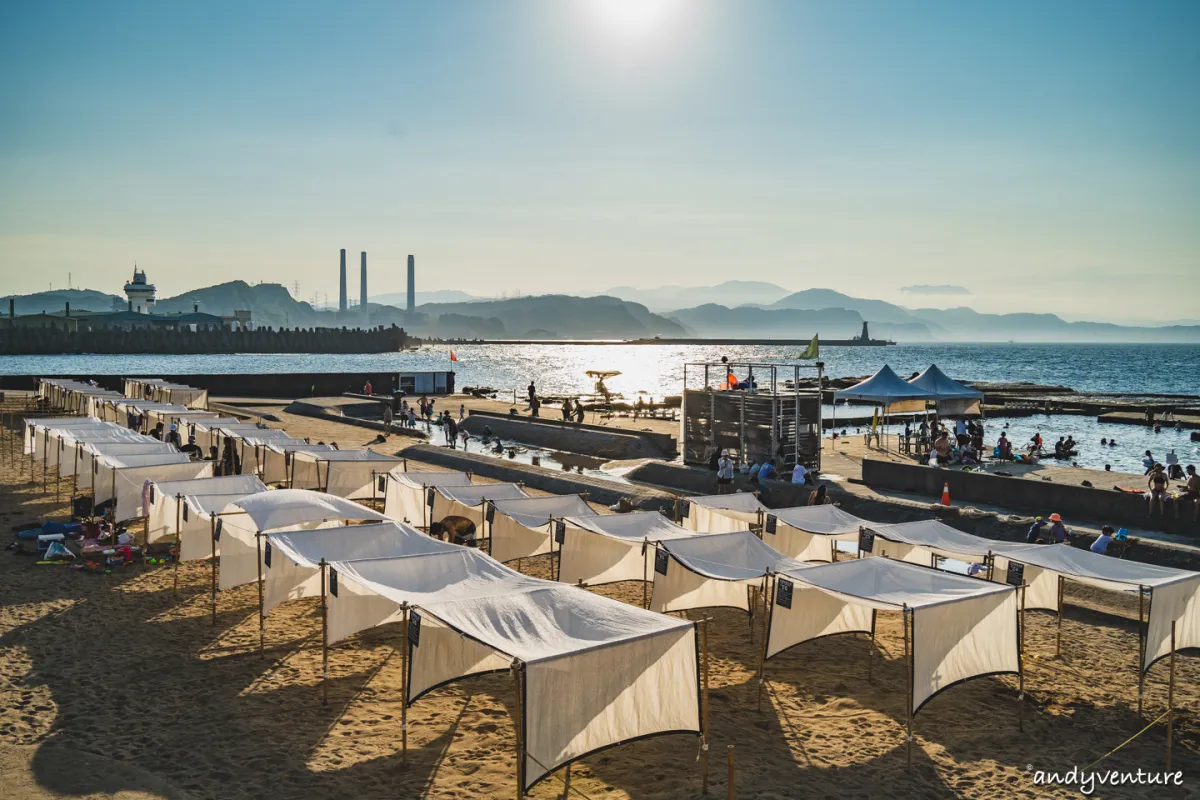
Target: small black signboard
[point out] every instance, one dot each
(185, 508)
(414, 629)
(382, 483)
(267, 554)
(429, 497)
(771, 522)
(152, 494)
(560, 530)
(491, 513)
(660, 561)
(1016, 574)
(217, 530)
(783, 593)
(333, 581)
(866, 541)
(685, 508)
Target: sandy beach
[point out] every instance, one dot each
(114, 687)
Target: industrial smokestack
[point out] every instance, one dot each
(362, 292)
(412, 283)
(342, 297)
(68, 308)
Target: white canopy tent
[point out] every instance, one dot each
(345, 473)
(810, 533)
(889, 390)
(952, 397)
(591, 672)
(524, 527)
(254, 448)
(183, 510)
(211, 432)
(62, 444)
(468, 501)
(607, 548)
(88, 452)
(722, 513)
(405, 493)
(716, 569)
(127, 477)
(277, 458)
(170, 417)
(956, 627)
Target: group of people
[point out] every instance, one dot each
(964, 448)
(1159, 484)
(755, 473)
(1053, 531)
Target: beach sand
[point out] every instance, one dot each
(111, 686)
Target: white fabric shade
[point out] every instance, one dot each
(405, 493)
(597, 672)
(345, 473)
(130, 475)
(522, 528)
(723, 513)
(277, 458)
(185, 509)
(961, 627)
(606, 548)
(810, 533)
(469, 501)
(716, 569)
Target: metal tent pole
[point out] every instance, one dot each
(1171, 700)
(1141, 646)
(1021, 659)
(908, 682)
(213, 541)
(704, 704)
(325, 634)
(261, 616)
(1058, 633)
(517, 669)
(178, 541)
(405, 644)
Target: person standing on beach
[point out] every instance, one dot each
(566, 410)
(532, 393)
(724, 472)
(388, 417)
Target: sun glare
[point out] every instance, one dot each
(635, 19)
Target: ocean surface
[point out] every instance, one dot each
(657, 370)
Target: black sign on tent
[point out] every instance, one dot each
(772, 520)
(783, 593)
(661, 559)
(414, 629)
(866, 540)
(1015, 575)
(333, 588)
(560, 531)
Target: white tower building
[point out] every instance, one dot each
(139, 292)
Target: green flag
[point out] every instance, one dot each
(814, 349)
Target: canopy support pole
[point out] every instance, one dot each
(1171, 700)
(871, 649)
(325, 636)
(1141, 646)
(703, 623)
(213, 544)
(517, 669)
(908, 709)
(1021, 659)
(404, 645)
(732, 776)
(178, 542)
(261, 616)
(1058, 633)
(767, 593)
(645, 576)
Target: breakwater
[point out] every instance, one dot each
(171, 341)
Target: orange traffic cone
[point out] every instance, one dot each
(945, 494)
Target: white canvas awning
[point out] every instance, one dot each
(292, 559)
(89, 451)
(346, 473)
(468, 501)
(596, 672)
(130, 476)
(184, 509)
(523, 527)
(606, 548)
(716, 569)
(810, 533)
(961, 627)
(723, 513)
(405, 495)
(277, 458)
(238, 524)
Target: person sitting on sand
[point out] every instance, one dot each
(1036, 531)
(1191, 491)
(799, 474)
(820, 497)
(942, 447)
(1102, 541)
(1158, 484)
(1058, 531)
(767, 472)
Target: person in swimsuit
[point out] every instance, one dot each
(1158, 484)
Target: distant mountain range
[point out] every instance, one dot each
(747, 309)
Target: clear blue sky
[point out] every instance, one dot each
(1045, 155)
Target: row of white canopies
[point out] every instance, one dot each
(87, 398)
(593, 672)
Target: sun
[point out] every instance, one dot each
(635, 19)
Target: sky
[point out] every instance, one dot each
(1018, 156)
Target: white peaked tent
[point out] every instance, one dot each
(810, 533)
(924, 541)
(277, 458)
(716, 569)
(346, 473)
(120, 410)
(722, 513)
(237, 526)
(183, 510)
(63, 444)
(524, 527)
(136, 388)
(591, 672)
(889, 390)
(36, 429)
(468, 501)
(292, 559)
(127, 478)
(952, 397)
(955, 627)
(607, 548)
(1170, 597)
(86, 469)
(255, 447)
(211, 432)
(405, 493)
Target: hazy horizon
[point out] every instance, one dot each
(1017, 157)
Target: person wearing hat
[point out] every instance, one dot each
(1035, 531)
(1058, 531)
(173, 436)
(724, 472)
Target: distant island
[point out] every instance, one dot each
(730, 310)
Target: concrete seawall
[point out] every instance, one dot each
(608, 443)
(1035, 496)
(555, 481)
